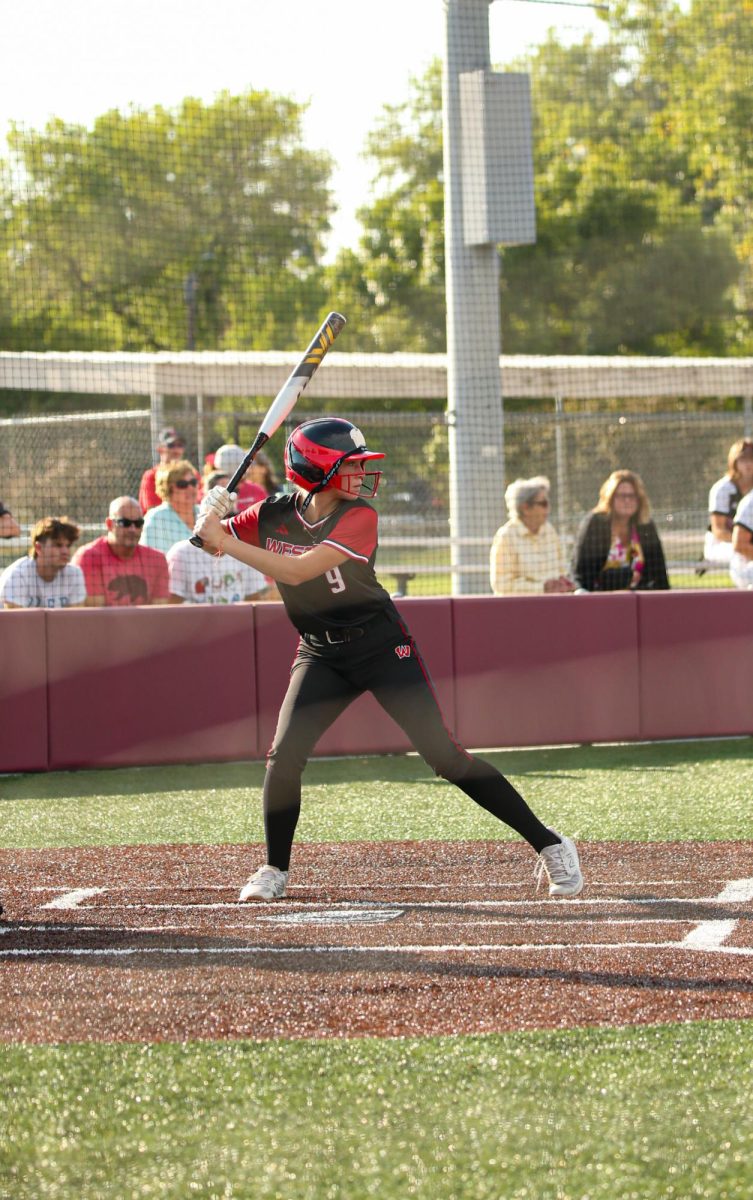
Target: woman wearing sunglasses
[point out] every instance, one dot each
(173, 520)
(118, 570)
(527, 555)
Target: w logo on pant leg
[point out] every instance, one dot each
(403, 651)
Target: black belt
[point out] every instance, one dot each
(337, 637)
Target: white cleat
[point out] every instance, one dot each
(562, 867)
(265, 884)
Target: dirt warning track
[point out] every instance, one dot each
(150, 944)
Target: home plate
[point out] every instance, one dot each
(336, 916)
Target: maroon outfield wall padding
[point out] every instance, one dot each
(535, 670)
(364, 728)
(152, 685)
(23, 691)
(696, 653)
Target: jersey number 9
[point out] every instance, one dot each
(335, 580)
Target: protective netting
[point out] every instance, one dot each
(581, 207)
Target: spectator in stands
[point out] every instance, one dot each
(724, 498)
(171, 448)
(262, 474)
(618, 547)
(46, 578)
(117, 569)
(198, 578)
(526, 554)
(9, 526)
(227, 459)
(741, 561)
(173, 521)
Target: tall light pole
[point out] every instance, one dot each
(488, 180)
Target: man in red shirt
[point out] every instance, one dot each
(119, 571)
(171, 448)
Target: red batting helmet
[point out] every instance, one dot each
(316, 450)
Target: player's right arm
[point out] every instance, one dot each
(218, 538)
(283, 568)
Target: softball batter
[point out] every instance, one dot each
(319, 543)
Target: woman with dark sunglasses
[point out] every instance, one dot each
(118, 570)
(173, 520)
(527, 555)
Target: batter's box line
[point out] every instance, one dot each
(724, 897)
(329, 918)
(345, 887)
(297, 951)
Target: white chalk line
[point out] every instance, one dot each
(372, 887)
(707, 936)
(29, 927)
(73, 898)
(410, 905)
(737, 889)
(274, 951)
(711, 935)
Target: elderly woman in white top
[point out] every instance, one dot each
(526, 554)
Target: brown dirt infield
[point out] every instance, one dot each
(385, 939)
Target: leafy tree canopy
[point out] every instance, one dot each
(644, 184)
(157, 230)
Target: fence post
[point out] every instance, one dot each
(561, 460)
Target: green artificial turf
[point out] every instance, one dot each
(634, 1114)
(662, 791)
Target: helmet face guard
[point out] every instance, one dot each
(316, 451)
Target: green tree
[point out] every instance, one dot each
(401, 301)
(157, 229)
(639, 249)
(701, 59)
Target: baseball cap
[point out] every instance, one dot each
(228, 458)
(169, 436)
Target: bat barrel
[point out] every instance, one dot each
(288, 394)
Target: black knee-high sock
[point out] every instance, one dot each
(282, 808)
(489, 788)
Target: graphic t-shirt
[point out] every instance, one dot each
(201, 578)
(21, 584)
(141, 579)
(623, 555)
(349, 594)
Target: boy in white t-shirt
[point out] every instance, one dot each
(46, 578)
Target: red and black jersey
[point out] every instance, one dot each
(346, 595)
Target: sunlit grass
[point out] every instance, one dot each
(662, 791)
(635, 1114)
